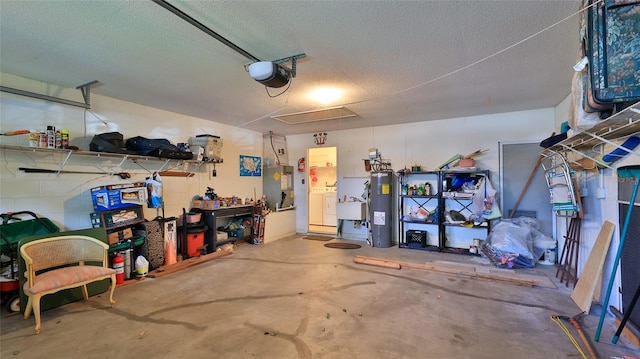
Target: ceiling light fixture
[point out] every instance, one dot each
(325, 95)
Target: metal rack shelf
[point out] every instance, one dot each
(615, 128)
(412, 230)
(122, 158)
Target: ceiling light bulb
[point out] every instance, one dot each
(325, 95)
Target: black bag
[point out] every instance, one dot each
(157, 148)
(110, 142)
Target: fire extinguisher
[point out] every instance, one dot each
(118, 265)
(301, 165)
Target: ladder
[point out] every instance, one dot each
(559, 177)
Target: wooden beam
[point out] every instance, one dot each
(376, 262)
(164, 270)
(463, 270)
(176, 174)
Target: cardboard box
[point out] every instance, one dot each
(117, 218)
(206, 204)
(117, 236)
(211, 144)
(116, 196)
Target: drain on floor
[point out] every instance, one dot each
(342, 245)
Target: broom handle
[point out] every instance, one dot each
(526, 186)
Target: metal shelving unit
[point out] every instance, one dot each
(450, 241)
(423, 224)
(418, 213)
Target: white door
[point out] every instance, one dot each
(329, 213)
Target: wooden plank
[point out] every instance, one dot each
(635, 341)
(585, 288)
(376, 262)
(176, 174)
(162, 271)
(463, 270)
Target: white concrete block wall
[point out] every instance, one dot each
(428, 143)
(65, 199)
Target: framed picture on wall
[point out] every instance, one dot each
(250, 166)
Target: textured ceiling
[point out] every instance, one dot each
(397, 61)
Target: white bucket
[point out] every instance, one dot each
(550, 253)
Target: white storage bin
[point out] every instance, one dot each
(212, 146)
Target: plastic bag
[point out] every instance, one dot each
(484, 201)
(516, 243)
(154, 191)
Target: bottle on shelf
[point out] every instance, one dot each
(51, 137)
(34, 137)
(64, 134)
(42, 139)
(58, 139)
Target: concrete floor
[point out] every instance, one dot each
(295, 298)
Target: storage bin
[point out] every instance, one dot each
(416, 237)
(212, 146)
(239, 233)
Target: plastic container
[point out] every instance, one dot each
(194, 241)
(142, 266)
(64, 133)
(212, 146)
(51, 137)
(34, 137)
(550, 253)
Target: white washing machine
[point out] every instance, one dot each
(316, 203)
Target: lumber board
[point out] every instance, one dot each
(463, 270)
(165, 270)
(376, 262)
(635, 341)
(583, 293)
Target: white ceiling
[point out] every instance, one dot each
(397, 61)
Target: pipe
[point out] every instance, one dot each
(43, 97)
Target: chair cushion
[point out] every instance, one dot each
(66, 276)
